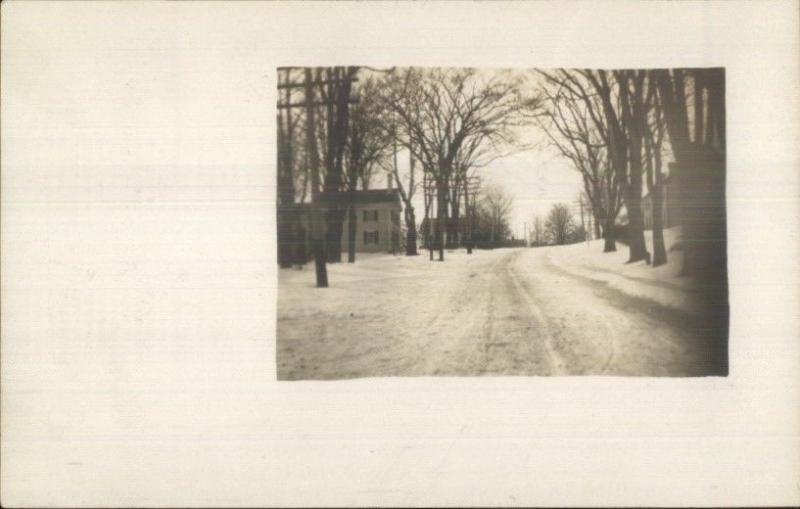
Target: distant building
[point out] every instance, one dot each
(460, 227)
(670, 210)
(377, 223)
(377, 220)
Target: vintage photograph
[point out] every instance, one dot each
(501, 222)
(284, 253)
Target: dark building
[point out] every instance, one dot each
(670, 205)
(377, 213)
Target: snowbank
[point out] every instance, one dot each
(661, 284)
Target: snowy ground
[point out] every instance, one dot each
(659, 284)
(550, 311)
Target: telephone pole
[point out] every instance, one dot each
(317, 245)
(583, 225)
(525, 232)
(310, 104)
(431, 187)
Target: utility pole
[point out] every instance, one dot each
(441, 205)
(589, 225)
(468, 233)
(580, 207)
(285, 193)
(309, 104)
(525, 232)
(470, 184)
(317, 244)
(583, 225)
(432, 190)
(428, 221)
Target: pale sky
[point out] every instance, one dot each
(536, 179)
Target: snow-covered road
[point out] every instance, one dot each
(501, 312)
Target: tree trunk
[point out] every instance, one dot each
(411, 231)
(656, 188)
(285, 198)
(284, 240)
(609, 245)
(657, 193)
(452, 235)
(429, 234)
(335, 221)
(428, 200)
(351, 230)
(317, 244)
(467, 218)
(633, 203)
(469, 215)
(286, 219)
(703, 218)
(659, 247)
(337, 136)
(319, 263)
(597, 233)
(609, 236)
(441, 219)
(700, 170)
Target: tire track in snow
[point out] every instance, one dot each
(599, 320)
(555, 361)
(605, 323)
(489, 329)
(455, 330)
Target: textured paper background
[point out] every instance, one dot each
(139, 275)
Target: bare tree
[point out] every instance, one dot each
(317, 243)
(441, 111)
(559, 224)
(407, 181)
(473, 155)
(653, 148)
(568, 123)
(334, 87)
(367, 147)
(286, 180)
(622, 95)
(497, 205)
(407, 188)
(620, 119)
(693, 102)
(537, 232)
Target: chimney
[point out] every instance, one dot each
(389, 182)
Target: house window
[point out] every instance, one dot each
(370, 215)
(370, 238)
(395, 217)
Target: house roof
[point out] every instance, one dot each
(369, 196)
(667, 180)
(461, 219)
(363, 197)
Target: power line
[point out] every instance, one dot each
(352, 100)
(337, 81)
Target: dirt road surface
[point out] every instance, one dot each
(501, 312)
